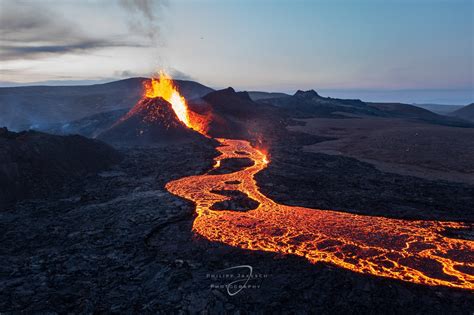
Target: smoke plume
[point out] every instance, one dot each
(145, 16)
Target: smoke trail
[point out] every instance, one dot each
(145, 16)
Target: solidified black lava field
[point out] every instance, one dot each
(119, 242)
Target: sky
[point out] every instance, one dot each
(400, 50)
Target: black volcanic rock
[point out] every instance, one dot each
(227, 101)
(235, 115)
(35, 164)
(232, 165)
(131, 247)
(238, 201)
(259, 95)
(245, 96)
(307, 94)
(150, 121)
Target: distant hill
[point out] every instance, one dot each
(304, 103)
(257, 95)
(399, 110)
(404, 110)
(466, 112)
(36, 106)
(438, 108)
(307, 104)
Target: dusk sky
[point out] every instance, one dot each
(333, 45)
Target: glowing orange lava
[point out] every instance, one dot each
(163, 87)
(414, 251)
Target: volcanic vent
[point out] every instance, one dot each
(160, 116)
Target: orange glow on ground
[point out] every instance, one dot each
(413, 251)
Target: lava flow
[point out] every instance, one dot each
(414, 251)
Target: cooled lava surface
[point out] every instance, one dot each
(415, 251)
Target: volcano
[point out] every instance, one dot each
(151, 120)
(160, 116)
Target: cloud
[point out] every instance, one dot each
(33, 52)
(31, 32)
(27, 22)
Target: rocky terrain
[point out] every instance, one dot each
(321, 181)
(236, 115)
(399, 146)
(35, 164)
(258, 95)
(119, 242)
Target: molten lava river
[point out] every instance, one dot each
(414, 251)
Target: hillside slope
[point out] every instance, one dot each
(150, 121)
(36, 164)
(466, 112)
